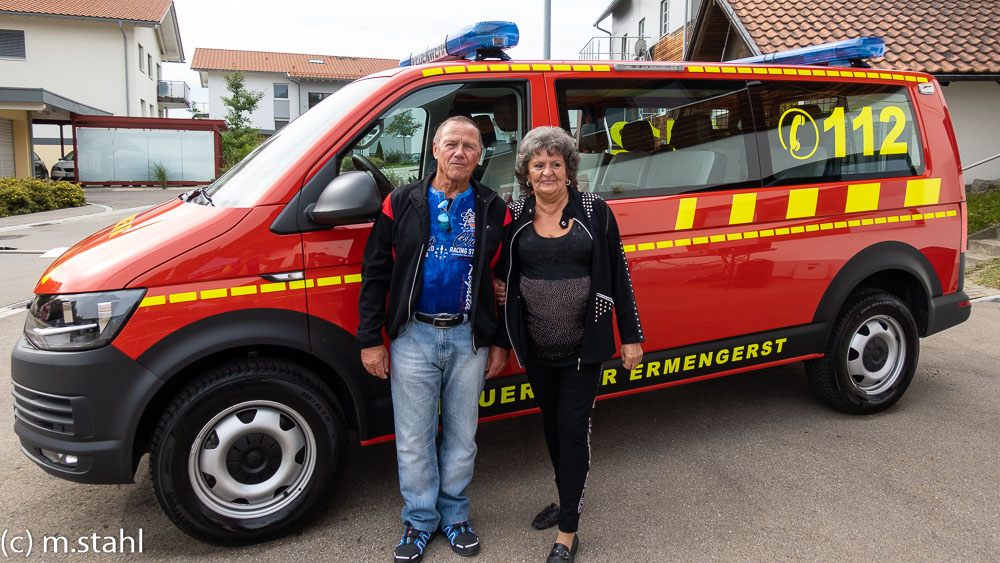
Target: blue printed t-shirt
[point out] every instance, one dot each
(447, 284)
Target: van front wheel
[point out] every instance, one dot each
(249, 451)
(871, 356)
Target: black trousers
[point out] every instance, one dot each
(566, 396)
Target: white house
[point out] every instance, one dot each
(291, 82)
(94, 57)
(632, 20)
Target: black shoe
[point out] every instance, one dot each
(464, 540)
(410, 549)
(548, 517)
(561, 554)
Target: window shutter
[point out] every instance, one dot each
(12, 44)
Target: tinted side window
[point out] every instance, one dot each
(400, 141)
(828, 132)
(642, 137)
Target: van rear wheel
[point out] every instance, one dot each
(871, 356)
(250, 451)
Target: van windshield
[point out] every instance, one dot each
(242, 185)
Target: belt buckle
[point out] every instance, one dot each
(443, 322)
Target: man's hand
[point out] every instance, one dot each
(496, 361)
(631, 355)
(500, 289)
(376, 361)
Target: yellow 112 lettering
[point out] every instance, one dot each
(865, 122)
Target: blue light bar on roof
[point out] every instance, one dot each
(487, 37)
(840, 53)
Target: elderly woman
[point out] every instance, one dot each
(565, 273)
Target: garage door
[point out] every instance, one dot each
(6, 148)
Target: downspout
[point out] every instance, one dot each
(298, 89)
(609, 39)
(125, 49)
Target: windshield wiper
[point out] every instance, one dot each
(197, 192)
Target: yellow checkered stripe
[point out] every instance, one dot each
(795, 71)
(802, 202)
(705, 69)
(788, 231)
(514, 67)
(244, 290)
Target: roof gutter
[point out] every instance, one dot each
(125, 49)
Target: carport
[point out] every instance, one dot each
(19, 109)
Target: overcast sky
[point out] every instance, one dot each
(370, 28)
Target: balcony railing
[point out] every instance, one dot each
(616, 48)
(173, 94)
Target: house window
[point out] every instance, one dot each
(281, 91)
(279, 123)
(642, 28)
(317, 97)
(142, 59)
(12, 44)
(142, 104)
(149, 64)
(664, 17)
(159, 71)
(625, 46)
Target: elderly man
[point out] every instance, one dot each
(431, 252)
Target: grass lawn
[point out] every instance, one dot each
(986, 273)
(984, 210)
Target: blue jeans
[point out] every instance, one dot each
(429, 364)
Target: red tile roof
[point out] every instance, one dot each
(134, 10)
(935, 36)
(295, 64)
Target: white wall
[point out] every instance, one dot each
(626, 17)
(263, 117)
(975, 114)
(82, 60)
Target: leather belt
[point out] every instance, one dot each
(441, 320)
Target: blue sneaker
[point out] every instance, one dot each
(411, 547)
(464, 540)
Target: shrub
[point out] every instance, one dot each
(19, 196)
(395, 157)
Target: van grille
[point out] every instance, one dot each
(43, 410)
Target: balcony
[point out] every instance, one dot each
(616, 48)
(173, 94)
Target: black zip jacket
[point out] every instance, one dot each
(610, 282)
(394, 259)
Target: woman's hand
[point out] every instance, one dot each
(631, 356)
(500, 289)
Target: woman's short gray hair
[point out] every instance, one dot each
(554, 140)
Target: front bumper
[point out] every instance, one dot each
(85, 404)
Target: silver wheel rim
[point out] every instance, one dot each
(252, 459)
(876, 355)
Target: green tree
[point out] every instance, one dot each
(403, 125)
(241, 137)
(378, 152)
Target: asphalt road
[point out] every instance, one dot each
(748, 467)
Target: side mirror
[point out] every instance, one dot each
(350, 198)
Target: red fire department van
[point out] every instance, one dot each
(770, 213)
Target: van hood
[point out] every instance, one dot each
(114, 256)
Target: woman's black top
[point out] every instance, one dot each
(555, 285)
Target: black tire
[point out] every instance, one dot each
(248, 452)
(871, 356)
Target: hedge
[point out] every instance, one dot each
(19, 196)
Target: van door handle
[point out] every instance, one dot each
(285, 276)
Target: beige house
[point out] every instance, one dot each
(95, 57)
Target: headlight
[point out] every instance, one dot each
(79, 321)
